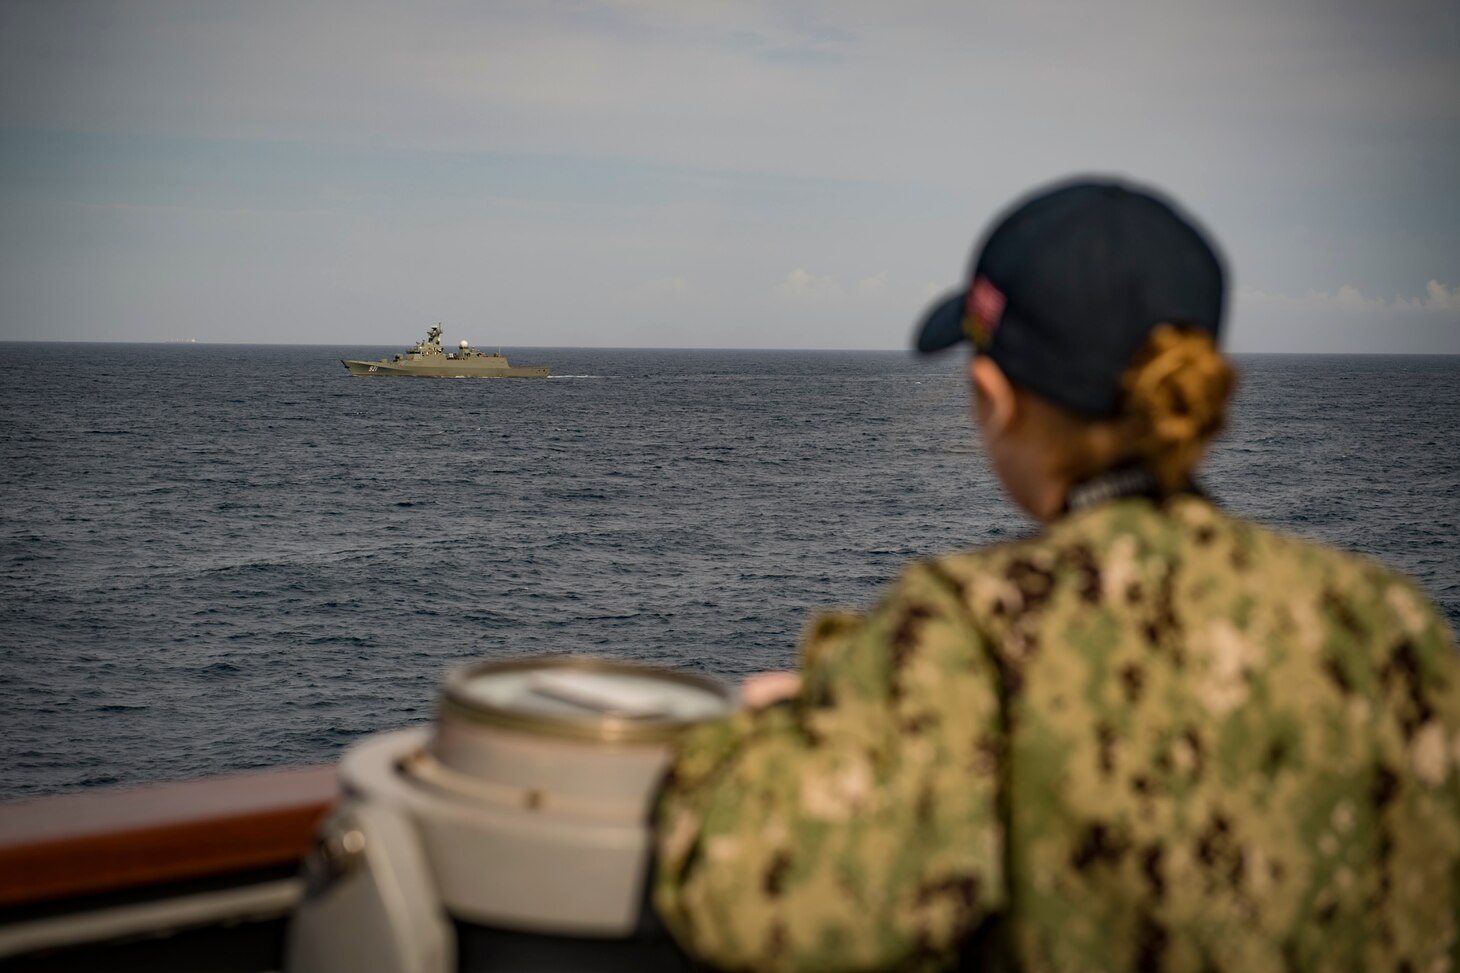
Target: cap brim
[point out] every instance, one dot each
(942, 326)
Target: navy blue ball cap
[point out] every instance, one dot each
(942, 327)
(1069, 284)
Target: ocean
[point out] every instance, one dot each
(223, 557)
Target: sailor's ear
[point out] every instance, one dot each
(994, 398)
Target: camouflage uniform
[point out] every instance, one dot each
(1153, 738)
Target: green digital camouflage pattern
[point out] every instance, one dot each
(1155, 738)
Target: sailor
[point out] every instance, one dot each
(1154, 737)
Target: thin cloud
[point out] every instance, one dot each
(1347, 321)
(1438, 297)
(802, 285)
(874, 286)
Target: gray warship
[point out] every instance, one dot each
(428, 360)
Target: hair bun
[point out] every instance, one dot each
(1176, 391)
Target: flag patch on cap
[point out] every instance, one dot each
(987, 302)
(982, 313)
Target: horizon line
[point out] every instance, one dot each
(808, 350)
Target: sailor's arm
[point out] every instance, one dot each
(855, 826)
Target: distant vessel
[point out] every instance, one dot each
(428, 360)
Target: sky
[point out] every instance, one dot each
(715, 174)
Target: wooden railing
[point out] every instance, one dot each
(108, 840)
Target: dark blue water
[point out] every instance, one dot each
(215, 558)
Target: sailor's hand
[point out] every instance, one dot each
(764, 688)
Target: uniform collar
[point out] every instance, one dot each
(1126, 481)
